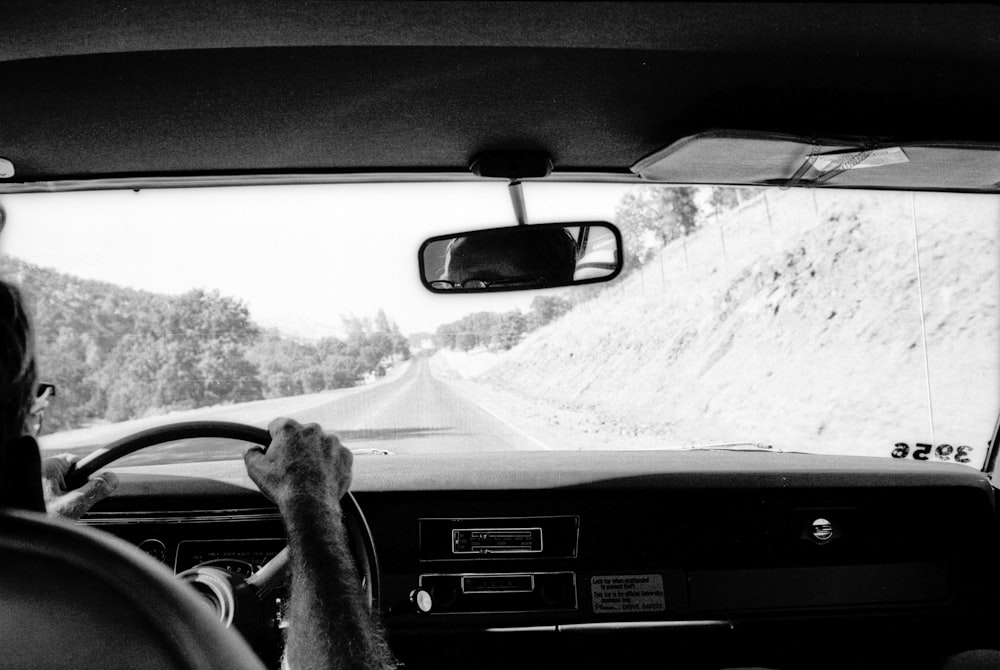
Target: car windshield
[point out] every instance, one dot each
(824, 321)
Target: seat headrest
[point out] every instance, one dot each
(74, 597)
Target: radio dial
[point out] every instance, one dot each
(421, 601)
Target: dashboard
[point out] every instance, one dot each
(240, 541)
(702, 559)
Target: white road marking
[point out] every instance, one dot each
(511, 426)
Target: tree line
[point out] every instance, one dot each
(117, 353)
(500, 331)
(650, 217)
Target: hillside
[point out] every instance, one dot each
(116, 353)
(59, 301)
(794, 321)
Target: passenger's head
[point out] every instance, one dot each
(512, 257)
(18, 376)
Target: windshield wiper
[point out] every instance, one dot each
(735, 446)
(361, 451)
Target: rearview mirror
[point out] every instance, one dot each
(521, 258)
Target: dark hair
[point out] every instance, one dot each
(18, 374)
(557, 247)
(550, 248)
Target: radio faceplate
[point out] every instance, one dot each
(498, 538)
(491, 593)
(496, 541)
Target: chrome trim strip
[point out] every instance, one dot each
(608, 626)
(613, 626)
(190, 516)
(225, 510)
(179, 519)
(292, 179)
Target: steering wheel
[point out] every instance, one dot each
(237, 601)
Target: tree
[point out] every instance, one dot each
(330, 346)
(340, 371)
(370, 356)
(465, 341)
(370, 342)
(652, 216)
(118, 354)
(400, 343)
(279, 360)
(210, 335)
(382, 322)
(228, 375)
(445, 336)
(133, 377)
(383, 343)
(312, 379)
(546, 309)
(69, 359)
(401, 346)
(281, 385)
(724, 197)
(513, 325)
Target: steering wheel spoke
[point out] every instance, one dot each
(270, 576)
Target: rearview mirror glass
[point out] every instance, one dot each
(522, 257)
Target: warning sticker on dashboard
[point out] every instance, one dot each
(627, 593)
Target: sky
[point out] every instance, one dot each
(300, 257)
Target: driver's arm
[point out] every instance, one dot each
(60, 500)
(306, 472)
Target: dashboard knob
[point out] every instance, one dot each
(421, 601)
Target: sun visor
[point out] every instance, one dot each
(738, 157)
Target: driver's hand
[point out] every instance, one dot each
(302, 463)
(72, 504)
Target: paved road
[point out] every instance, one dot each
(416, 412)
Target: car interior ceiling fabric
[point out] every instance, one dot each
(596, 85)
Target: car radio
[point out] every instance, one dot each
(458, 547)
(483, 593)
(499, 538)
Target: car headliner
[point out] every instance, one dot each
(109, 89)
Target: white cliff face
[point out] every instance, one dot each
(804, 329)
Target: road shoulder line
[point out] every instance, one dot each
(511, 426)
